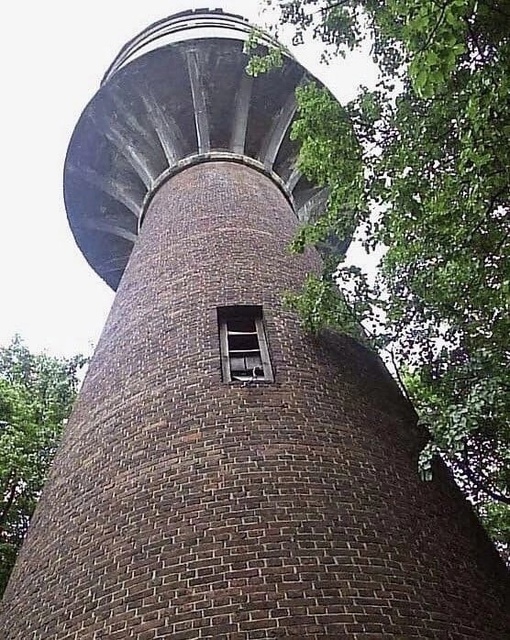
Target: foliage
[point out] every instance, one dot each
(262, 58)
(36, 395)
(420, 166)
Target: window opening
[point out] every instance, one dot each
(244, 352)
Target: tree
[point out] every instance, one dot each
(36, 395)
(420, 167)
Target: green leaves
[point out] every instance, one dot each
(36, 395)
(423, 175)
(329, 148)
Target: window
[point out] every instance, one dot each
(243, 346)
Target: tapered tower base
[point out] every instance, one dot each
(182, 505)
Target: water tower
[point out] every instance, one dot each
(224, 474)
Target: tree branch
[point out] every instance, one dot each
(434, 30)
(481, 485)
(8, 504)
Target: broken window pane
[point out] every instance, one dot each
(244, 352)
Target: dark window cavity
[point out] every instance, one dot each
(243, 345)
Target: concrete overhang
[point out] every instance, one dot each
(178, 90)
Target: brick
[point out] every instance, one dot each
(182, 507)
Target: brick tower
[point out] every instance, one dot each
(225, 475)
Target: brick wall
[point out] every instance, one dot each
(182, 507)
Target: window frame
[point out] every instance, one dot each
(252, 313)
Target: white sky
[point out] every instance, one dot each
(53, 55)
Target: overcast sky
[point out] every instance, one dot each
(53, 55)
